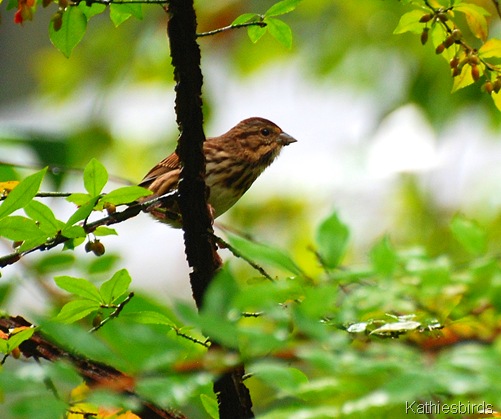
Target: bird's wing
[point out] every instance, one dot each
(164, 176)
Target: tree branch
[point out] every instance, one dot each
(117, 217)
(94, 373)
(201, 251)
(230, 27)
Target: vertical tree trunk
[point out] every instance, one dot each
(201, 252)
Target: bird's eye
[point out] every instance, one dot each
(265, 132)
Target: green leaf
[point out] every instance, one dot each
(222, 289)
(383, 257)
(105, 231)
(95, 177)
(71, 32)
(22, 194)
(471, 236)
(282, 7)
(256, 32)
(148, 317)
(409, 22)
(475, 17)
(76, 310)
(263, 253)
(32, 242)
(73, 232)
(283, 378)
(210, 405)
(280, 31)
(220, 329)
(92, 10)
(104, 263)
(125, 195)
(332, 239)
(246, 17)
(78, 286)
(79, 198)
(54, 262)
(19, 228)
(44, 215)
(16, 339)
(83, 212)
(115, 287)
(119, 13)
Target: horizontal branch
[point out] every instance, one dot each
(229, 27)
(94, 373)
(225, 245)
(111, 219)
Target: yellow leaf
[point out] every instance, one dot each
(492, 48)
(463, 80)
(475, 17)
(496, 97)
(6, 187)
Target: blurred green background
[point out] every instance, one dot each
(380, 139)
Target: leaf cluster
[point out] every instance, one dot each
(40, 229)
(469, 63)
(327, 343)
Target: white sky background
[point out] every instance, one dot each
(342, 160)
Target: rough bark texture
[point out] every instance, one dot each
(201, 251)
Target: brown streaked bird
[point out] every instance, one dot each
(233, 160)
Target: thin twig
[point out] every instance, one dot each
(114, 314)
(224, 244)
(229, 27)
(249, 314)
(205, 344)
(115, 218)
(45, 195)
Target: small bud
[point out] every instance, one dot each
(57, 21)
(426, 18)
(456, 71)
(440, 48)
(98, 248)
(88, 247)
(497, 85)
(448, 41)
(454, 62)
(424, 36)
(442, 17)
(475, 72)
(474, 60)
(16, 353)
(489, 87)
(110, 208)
(456, 35)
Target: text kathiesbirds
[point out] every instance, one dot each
(234, 161)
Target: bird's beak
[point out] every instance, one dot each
(285, 139)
